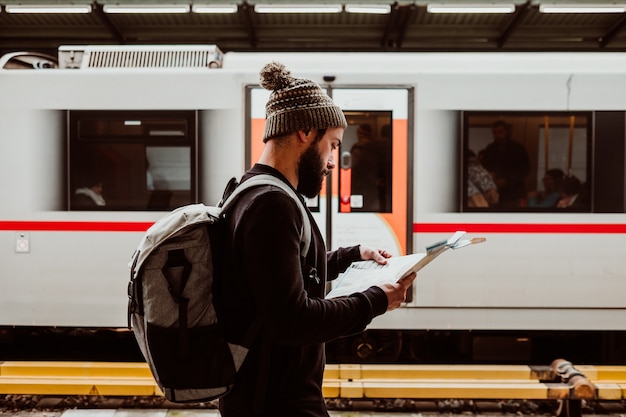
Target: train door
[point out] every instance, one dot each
(372, 186)
(371, 189)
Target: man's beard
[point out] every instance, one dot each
(311, 172)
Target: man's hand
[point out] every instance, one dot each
(396, 293)
(378, 255)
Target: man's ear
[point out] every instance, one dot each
(305, 135)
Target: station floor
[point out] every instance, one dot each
(180, 413)
(215, 413)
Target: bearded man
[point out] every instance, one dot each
(271, 283)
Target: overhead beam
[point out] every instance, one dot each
(246, 11)
(617, 27)
(110, 26)
(397, 25)
(518, 16)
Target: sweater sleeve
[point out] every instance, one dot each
(269, 239)
(339, 260)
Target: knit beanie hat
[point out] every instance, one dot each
(296, 103)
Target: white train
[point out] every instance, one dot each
(158, 136)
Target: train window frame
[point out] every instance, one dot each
(576, 127)
(130, 137)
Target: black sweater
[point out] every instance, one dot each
(266, 279)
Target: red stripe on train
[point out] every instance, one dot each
(518, 228)
(61, 226)
(91, 226)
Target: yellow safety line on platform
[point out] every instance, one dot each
(437, 372)
(444, 389)
(340, 381)
(78, 386)
(606, 372)
(59, 369)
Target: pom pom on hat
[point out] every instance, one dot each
(275, 76)
(296, 103)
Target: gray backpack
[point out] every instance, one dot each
(171, 308)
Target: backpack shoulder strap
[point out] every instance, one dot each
(266, 179)
(305, 237)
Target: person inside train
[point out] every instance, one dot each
(89, 196)
(550, 195)
(508, 163)
(572, 194)
(271, 279)
(481, 189)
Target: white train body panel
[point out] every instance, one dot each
(516, 280)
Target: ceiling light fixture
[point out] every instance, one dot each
(581, 8)
(146, 8)
(471, 8)
(214, 8)
(298, 8)
(48, 8)
(368, 8)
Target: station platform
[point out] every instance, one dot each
(348, 381)
(110, 385)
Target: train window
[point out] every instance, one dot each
(365, 162)
(131, 160)
(527, 161)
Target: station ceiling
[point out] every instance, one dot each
(407, 27)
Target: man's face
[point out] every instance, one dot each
(500, 133)
(548, 183)
(317, 161)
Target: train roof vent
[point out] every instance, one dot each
(140, 56)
